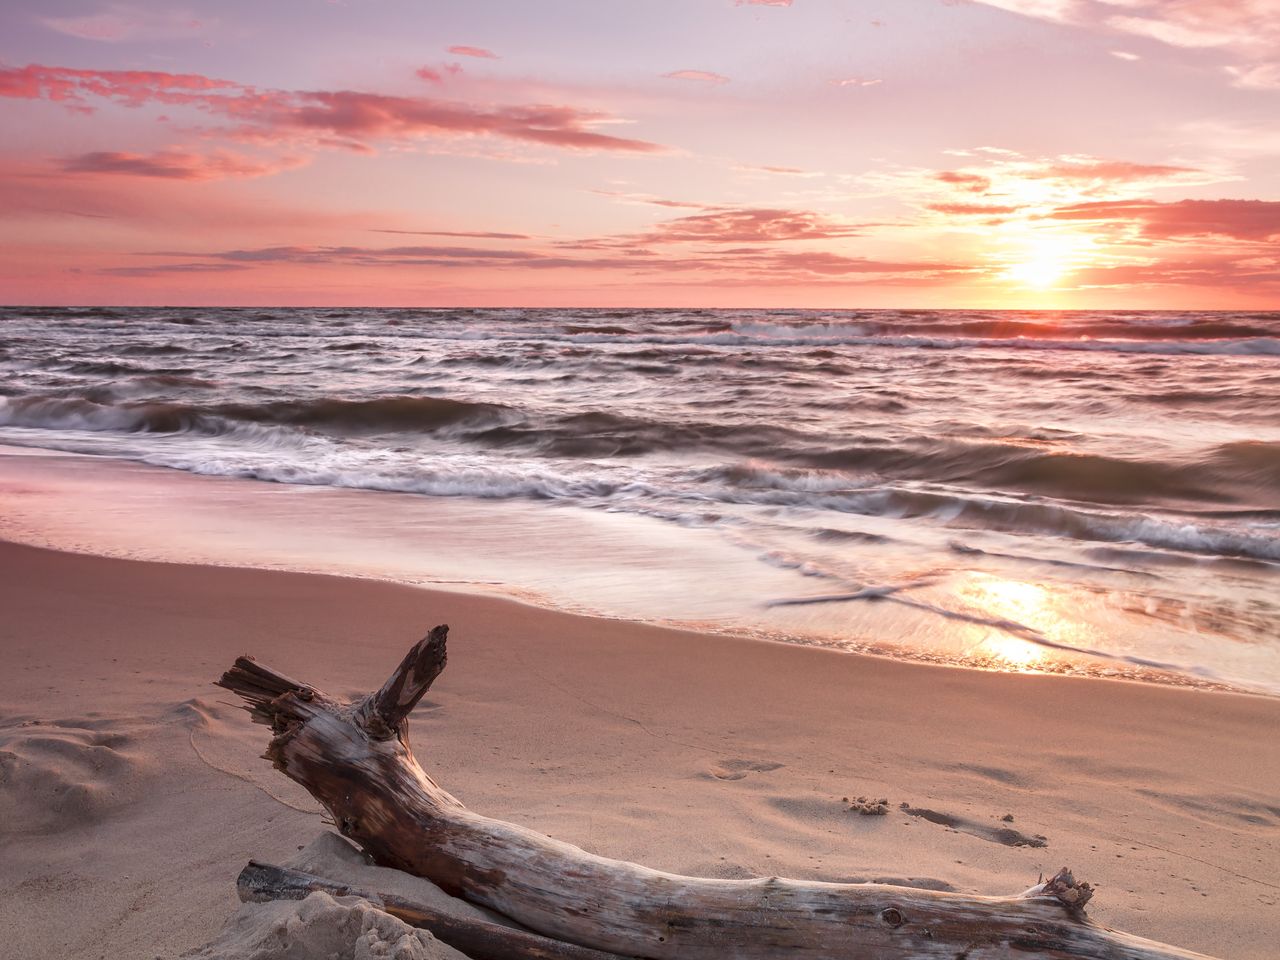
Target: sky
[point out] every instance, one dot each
(704, 153)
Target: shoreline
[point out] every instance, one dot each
(142, 791)
(323, 530)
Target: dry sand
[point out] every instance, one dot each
(131, 792)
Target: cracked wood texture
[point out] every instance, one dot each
(354, 758)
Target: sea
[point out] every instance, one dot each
(1084, 492)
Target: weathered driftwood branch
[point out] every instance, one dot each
(355, 759)
(480, 939)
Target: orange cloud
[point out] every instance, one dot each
(965, 181)
(1115, 171)
(973, 209)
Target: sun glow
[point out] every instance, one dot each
(1043, 260)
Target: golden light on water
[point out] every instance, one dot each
(1029, 605)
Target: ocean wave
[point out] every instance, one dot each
(1229, 473)
(818, 490)
(390, 414)
(384, 414)
(801, 458)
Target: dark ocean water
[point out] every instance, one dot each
(1100, 481)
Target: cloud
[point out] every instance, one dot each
(330, 118)
(973, 182)
(730, 265)
(762, 3)
(1249, 30)
(375, 116)
(176, 165)
(777, 171)
(1112, 171)
(1044, 9)
(474, 234)
(120, 23)
(699, 76)
(438, 74)
(160, 270)
(478, 52)
(749, 225)
(1262, 76)
(974, 209)
(1250, 220)
(1220, 272)
(30, 194)
(131, 88)
(856, 82)
(650, 200)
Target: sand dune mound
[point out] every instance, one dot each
(58, 775)
(321, 926)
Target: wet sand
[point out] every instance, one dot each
(131, 791)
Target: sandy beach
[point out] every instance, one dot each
(131, 791)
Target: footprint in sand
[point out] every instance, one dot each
(738, 769)
(1005, 835)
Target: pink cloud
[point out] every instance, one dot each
(698, 76)
(479, 52)
(762, 3)
(176, 165)
(1253, 220)
(331, 118)
(131, 88)
(438, 74)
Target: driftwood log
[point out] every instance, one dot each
(355, 759)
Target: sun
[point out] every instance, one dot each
(1044, 259)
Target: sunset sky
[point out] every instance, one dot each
(807, 153)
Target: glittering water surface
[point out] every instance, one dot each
(1001, 489)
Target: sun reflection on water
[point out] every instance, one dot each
(1034, 608)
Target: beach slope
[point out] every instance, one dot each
(131, 790)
